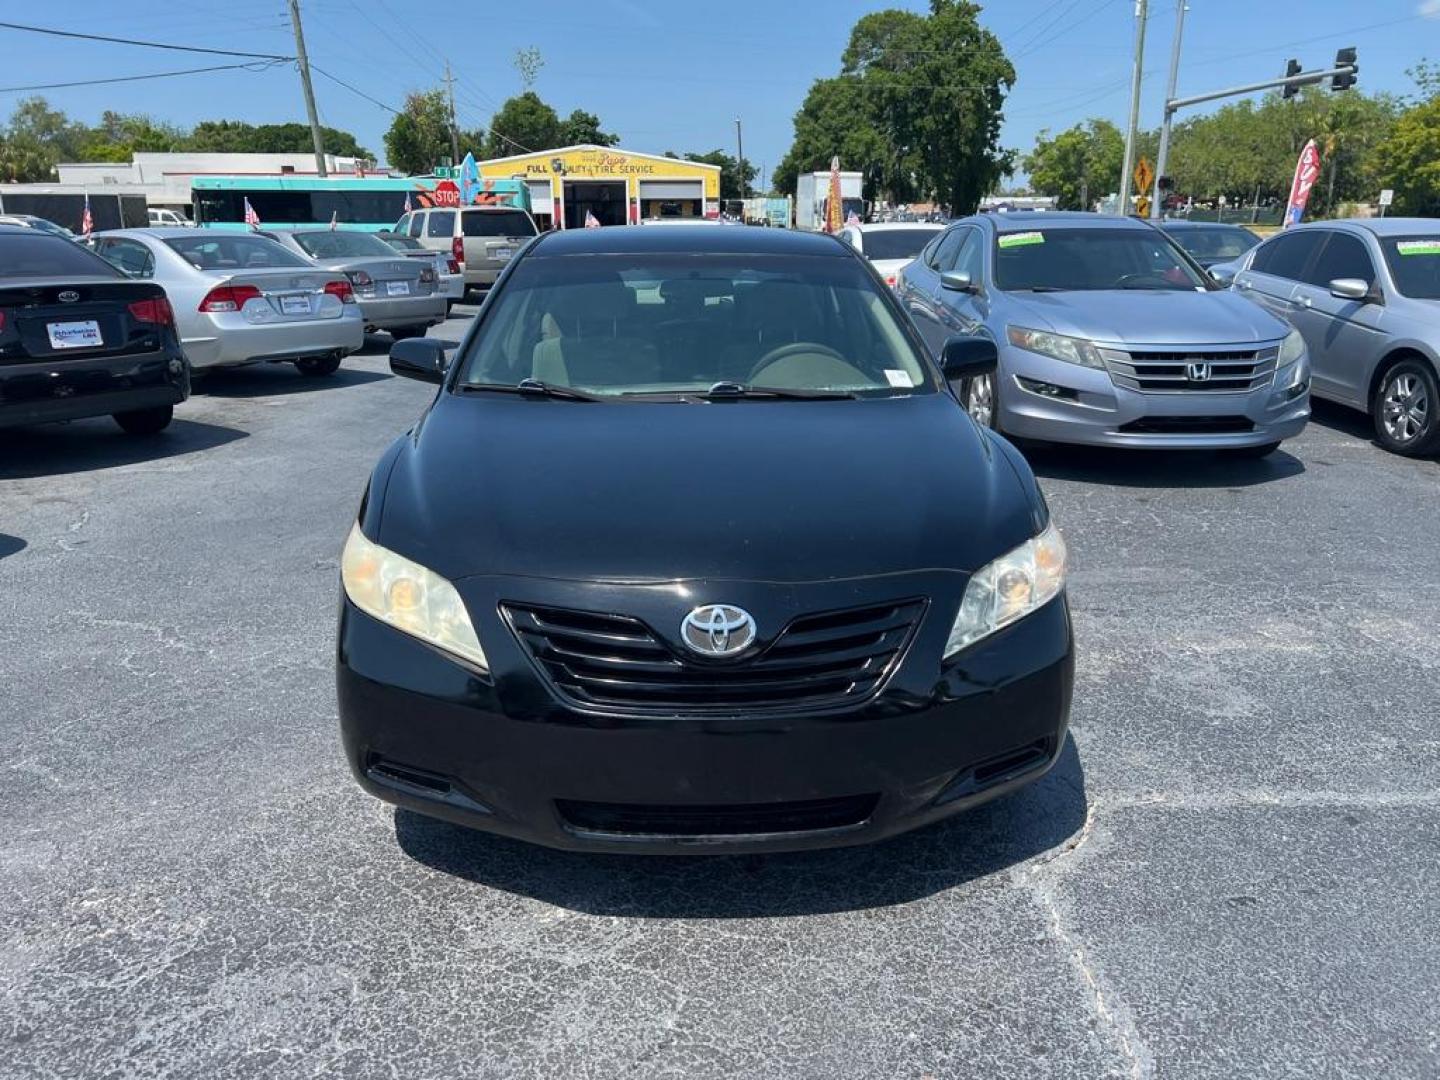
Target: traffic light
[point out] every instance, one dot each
(1292, 68)
(1342, 58)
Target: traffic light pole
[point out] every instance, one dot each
(1163, 156)
(1142, 13)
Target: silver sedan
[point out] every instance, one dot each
(395, 293)
(242, 299)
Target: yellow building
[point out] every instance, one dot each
(617, 186)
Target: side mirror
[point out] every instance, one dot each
(1347, 288)
(957, 281)
(419, 358)
(1222, 275)
(968, 358)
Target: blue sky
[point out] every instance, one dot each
(674, 76)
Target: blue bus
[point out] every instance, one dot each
(370, 203)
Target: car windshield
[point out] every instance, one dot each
(496, 223)
(1090, 259)
(896, 243)
(233, 252)
(1414, 264)
(1216, 242)
(50, 227)
(337, 244)
(615, 325)
(40, 255)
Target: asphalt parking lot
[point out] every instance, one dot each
(1234, 870)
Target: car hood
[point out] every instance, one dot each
(1148, 316)
(750, 490)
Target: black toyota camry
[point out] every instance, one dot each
(695, 548)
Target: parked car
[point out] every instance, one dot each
(161, 218)
(1108, 334)
(395, 294)
(451, 281)
(482, 239)
(77, 339)
(1364, 295)
(890, 247)
(241, 298)
(815, 646)
(30, 221)
(1209, 242)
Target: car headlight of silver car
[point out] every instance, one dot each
(1010, 588)
(1058, 346)
(1288, 371)
(409, 597)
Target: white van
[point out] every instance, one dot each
(168, 219)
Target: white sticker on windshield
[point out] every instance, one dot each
(1020, 239)
(898, 378)
(1418, 247)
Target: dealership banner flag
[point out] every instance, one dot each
(591, 221)
(832, 206)
(1307, 171)
(251, 218)
(87, 223)
(469, 180)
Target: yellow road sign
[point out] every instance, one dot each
(1142, 206)
(1144, 175)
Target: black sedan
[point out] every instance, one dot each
(695, 547)
(1209, 242)
(78, 339)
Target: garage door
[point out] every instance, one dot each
(672, 189)
(540, 201)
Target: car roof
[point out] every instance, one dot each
(888, 226)
(1386, 226)
(688, 239)
(23, 230)
(1182, 226)
(1030, 220)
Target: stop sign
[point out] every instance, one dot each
(447, 194)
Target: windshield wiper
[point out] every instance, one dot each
(734, 391)
(1037, 288)
(532, 388)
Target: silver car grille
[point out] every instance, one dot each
(1189, 371)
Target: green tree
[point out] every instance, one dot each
(583, 127)
(523, 123)
(830, 123)
(419, 136)
(730, 185)
(35, 139)
(239, 137)
(1408, 160)
(1078, 166)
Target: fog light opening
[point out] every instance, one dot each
(1046, 389)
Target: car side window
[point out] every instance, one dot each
(944, 253)
(1286, 256)
(441, 223)
(135, 259)
(403, 225)
(1343, 256)
(417, 223)
(970, 258)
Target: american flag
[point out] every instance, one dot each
(408, 207)
(251, 218)
(591, 221)
(87, 223)
(334, 219)
(852, 219)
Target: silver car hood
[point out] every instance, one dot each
(1147, 316)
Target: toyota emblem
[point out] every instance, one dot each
(718, 630)
(67, 296)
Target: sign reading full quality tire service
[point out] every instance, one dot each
(1307, 169)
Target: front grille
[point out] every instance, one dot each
(1170, 372)
(741, 819)
(617, 662)
(1187, 425)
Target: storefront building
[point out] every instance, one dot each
(617, 187)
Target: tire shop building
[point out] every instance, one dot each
(618, 187)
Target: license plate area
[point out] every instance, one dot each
(79, 334)
(397, 288)
(294, 304)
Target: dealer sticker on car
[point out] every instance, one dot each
(75, 335)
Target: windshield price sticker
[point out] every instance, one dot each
(1418, 247)
(1021, 239)
(899, 379)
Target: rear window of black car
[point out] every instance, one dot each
(497, 223)
(41, 255)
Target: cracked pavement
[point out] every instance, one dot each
(1231, 873)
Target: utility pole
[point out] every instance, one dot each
(1142, 12)
(740, 164)
(454, 131)
(1162, 158)
(304, 63)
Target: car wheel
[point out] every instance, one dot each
(1405, 409)
(319, 365)
(1263, 450)
(145, 421)
(979, 398)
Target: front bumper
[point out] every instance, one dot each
(36, 392)
(403, 311)
(228, 339)
(1098, 412)
(502, 753)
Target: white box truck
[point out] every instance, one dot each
(812, 194)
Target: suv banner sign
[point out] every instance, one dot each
(1307, 171)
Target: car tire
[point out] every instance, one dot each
(1406, 409)
(145, 421)
(1252, 452)
(978, 397)
(316, 366)
(400, 333)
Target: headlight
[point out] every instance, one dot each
(408, 597)
(1291, 349)
(1010, 588)
(1071, 350)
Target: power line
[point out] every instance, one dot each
(134, 41)
(257, 67)
(354, 90)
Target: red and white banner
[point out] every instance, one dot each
(1307, 171)
(87, 223)
(251, 218)
(833, 209)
